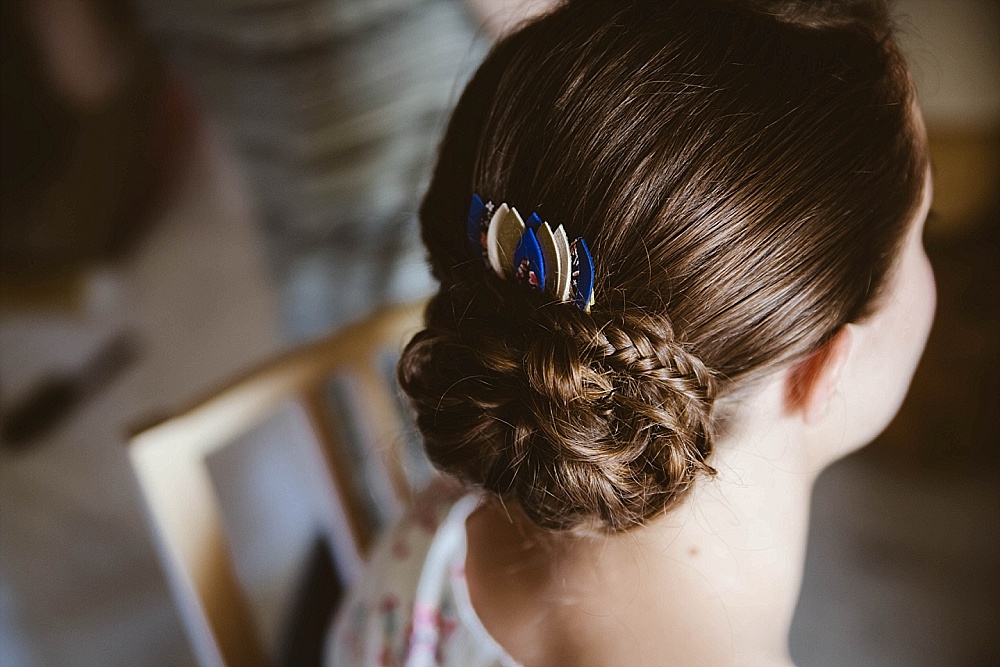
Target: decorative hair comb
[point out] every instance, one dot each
(531, 252)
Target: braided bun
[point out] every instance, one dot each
(575, 416)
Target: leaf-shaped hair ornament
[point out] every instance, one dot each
(531, 252)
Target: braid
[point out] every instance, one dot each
(574, 415)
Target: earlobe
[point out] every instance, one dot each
(813, 383)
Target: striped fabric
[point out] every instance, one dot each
(334, 109)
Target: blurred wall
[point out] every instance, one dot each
(954, 53)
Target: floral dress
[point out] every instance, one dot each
(412, 608)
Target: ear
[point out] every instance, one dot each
(812, 383)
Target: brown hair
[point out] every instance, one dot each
(743, 173)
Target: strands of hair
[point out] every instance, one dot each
(743, 173)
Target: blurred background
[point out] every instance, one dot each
(190, 187)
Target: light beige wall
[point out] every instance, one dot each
(954, 51)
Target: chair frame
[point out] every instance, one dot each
(169, 459)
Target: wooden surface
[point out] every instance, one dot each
(169, 459)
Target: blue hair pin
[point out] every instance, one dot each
(582, 274)
(478, 222)
(529, 264)
(531, 252)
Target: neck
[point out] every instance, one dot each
(743, 534)
(718, 576)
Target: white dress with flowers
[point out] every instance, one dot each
(411, 608)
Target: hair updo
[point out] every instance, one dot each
(743, 173)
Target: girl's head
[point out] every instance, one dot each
(745, 174)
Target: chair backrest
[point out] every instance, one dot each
(169, 459)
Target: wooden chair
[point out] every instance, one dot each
(169, 459)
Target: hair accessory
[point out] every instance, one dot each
(582, 268)
(556, 273)
(478, 223)
(529, 264)
(530, 252)
(502, 238)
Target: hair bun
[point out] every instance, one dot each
(580, 418)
